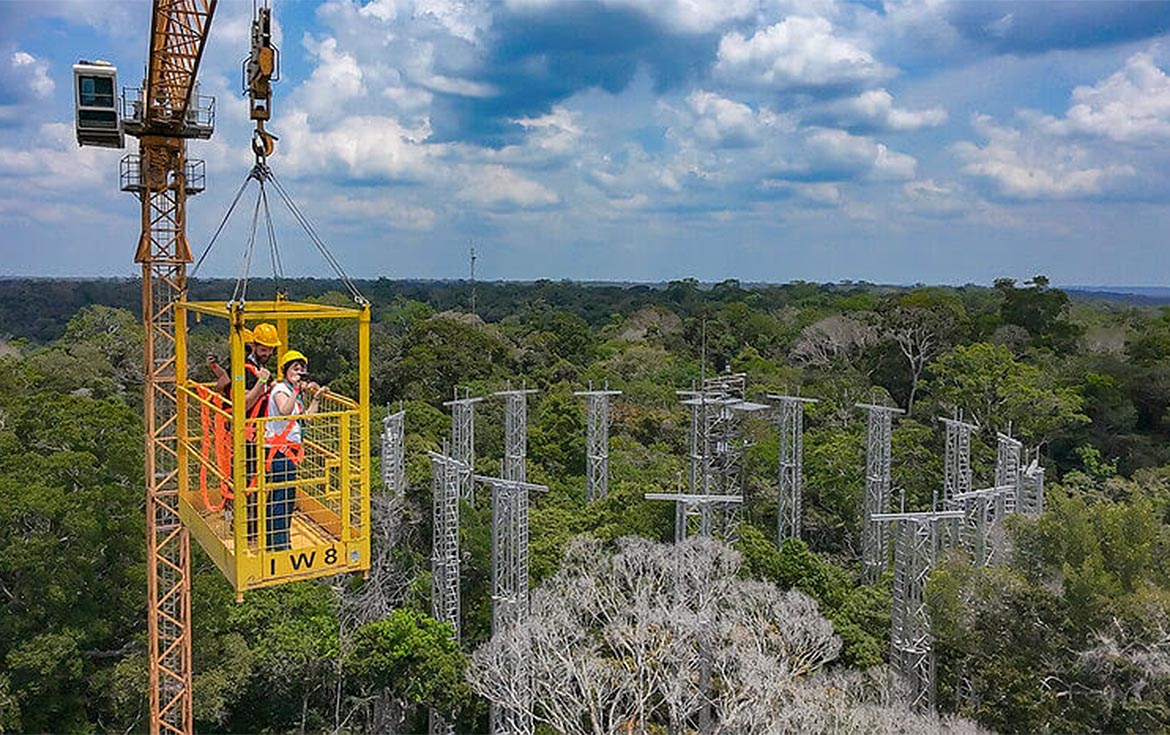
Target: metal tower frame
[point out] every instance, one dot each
(1032, 489)
(515, 433)
(597, 442)
(789, 419)
(1007, 471)
(957, 460)
(688, 505)
(980, 510)
(394, 453)
(445, 602)
(878, 437)
(463, 440)
(921, 537)
(510, 580)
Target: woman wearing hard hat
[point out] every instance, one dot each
(282, 437)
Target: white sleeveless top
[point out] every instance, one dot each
(275, 427)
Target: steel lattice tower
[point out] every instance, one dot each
(394, 453)
(510, 579)
(878, 436)
(701, 507)
(920, 539)
(1007, 472)
(463, 440)
(717, 445)
(980, 515)
(1032, 489)
(597, 442)
(445, 601)
(790, 426)
(515, 434)
(957, 460)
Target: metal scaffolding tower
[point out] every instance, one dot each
(515, 433)
(957, 461)
(1032, 489)
(789, 418)
(597, 442)
(878, 435)
(921, 537)
(717, 443)
(980, 514)
(394, 453)
(700, 507)
(510, 579)
(463, 440)
(445, 556)
(1007, 472)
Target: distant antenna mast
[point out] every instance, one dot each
(471, 245)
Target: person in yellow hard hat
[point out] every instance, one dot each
(264, 340)
(223, 381)
(282, 437)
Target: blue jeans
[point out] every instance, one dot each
(281, 503)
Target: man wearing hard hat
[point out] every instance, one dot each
(265, 339)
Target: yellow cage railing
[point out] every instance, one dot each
(267, 511)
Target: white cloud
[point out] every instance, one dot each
(55, 163)
(496, 186)
(1132, 105)
(932, 199)
(1035, 167)
(875, 108)
(382, 210)
(856, 155)
(718, 121)
(336, 80)
(35, 72)
(361, 146)
(556, 133)
(797, 52)
(680, 16)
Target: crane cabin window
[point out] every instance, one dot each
(95, 99)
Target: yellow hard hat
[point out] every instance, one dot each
(292, 356)
(247, 335)
(265, 334)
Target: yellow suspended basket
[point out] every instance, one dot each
(282, 526)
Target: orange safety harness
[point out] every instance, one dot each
(217, 435)
(258, 408)
(295, 451)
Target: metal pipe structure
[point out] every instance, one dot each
(510, 581)
(695, 506)
(789, 419)
(920, 539)
(463, 440)
(956, 461)
(515, 433)
(1007, 472)
(979, 523)
(597, 442)
(874, 536)
(394, 453)
(1032, 489)
(445, 602)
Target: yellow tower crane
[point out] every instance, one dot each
(321, 507)
(163, 115)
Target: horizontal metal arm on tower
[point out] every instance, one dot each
(690, 505)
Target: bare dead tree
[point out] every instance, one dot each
(833, 338)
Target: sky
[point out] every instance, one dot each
(913, 141)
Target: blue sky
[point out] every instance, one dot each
(765, 140)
